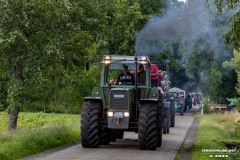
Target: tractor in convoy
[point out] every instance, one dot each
(116, 107)
(179, 98)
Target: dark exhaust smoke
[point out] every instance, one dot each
(195, 27)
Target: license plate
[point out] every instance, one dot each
(118, 115)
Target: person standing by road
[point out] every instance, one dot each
(233, 103)
(228, 104)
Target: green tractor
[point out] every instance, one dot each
(113, 108)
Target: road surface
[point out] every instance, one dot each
(127, 148)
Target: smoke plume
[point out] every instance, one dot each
(193, 26)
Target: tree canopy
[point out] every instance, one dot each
(232, 36)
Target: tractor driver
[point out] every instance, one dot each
(126, 78)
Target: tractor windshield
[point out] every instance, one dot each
(113, 68)
(117, 69)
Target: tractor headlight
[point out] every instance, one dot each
(107, 61)
(155, 95)
(143, 60)
(110, 114)
(96, 93)
(107, 57)
(126, 114)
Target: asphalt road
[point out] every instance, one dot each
(127, 148)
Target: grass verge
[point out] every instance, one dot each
(37, 132)
(216, 137)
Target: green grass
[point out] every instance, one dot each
(37, 132)
(216, 132)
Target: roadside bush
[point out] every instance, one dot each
(3, 121)
(217, 131)
(31, 141)
(237, 129)
(1, 107)
(37, 132)
(238, 104)
(206, 108)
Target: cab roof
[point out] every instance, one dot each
(107, 59)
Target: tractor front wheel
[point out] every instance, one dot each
(105, 136)
(147, 129)
(165, 125)
(90, 131)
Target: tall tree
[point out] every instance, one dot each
(232, 36)
(34, 36)
(215, 83)
(236, 62)
(44, 45)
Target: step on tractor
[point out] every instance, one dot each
(116, 107)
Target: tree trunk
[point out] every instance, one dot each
(14, 109)
(13, 116)
(55, 98)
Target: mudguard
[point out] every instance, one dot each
(94, 99)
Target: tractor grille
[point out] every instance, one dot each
(119, 99)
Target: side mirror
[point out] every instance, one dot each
(87, 65)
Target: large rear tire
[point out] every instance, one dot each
(166, 120)
(147, 129)
(90, 131)
(172, 108)
(120, 134)
(185, 106)
(105, 136)
(165, 123)
(169, 122)
(160, 120)
(113, 137)
(181, 109)
(160, 125)
(116, 134)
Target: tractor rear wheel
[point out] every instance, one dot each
(181, 109)
(147, 129)
(160, 125)
(113, 137)
(120, 134)
(105, 136)
(172, 109)
(90, 131)
(165, 125)
(169, 122)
